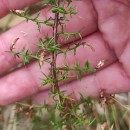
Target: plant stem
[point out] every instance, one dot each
(54, 66)
(54, 55)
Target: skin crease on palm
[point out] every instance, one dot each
(105, 24)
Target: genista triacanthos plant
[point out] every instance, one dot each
(63, 112)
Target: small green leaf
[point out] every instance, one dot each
(86, 66)
(37, 15)
(59, 10)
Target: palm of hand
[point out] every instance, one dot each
(104, 23)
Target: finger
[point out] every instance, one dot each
(28, 34)
(6, 6)
(114, 23)
(26, 81)
(115, 81)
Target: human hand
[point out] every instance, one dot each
(104, 24)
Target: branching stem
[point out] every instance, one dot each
(54, 55)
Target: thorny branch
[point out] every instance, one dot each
(54, 55)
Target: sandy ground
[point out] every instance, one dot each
(10, 20)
